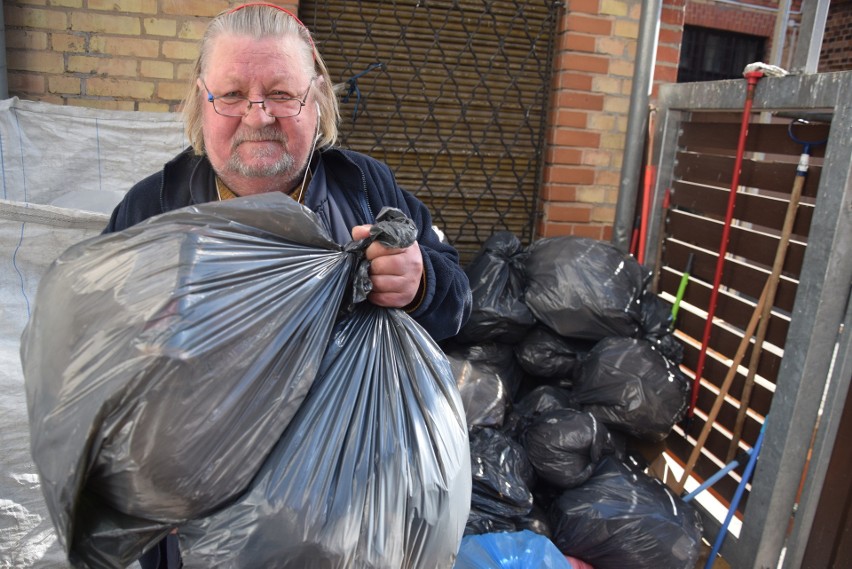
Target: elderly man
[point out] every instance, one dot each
(261, 116)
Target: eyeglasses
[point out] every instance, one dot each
(274, 106)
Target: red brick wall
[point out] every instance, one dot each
(752, 17)
(733, 18)
(593, 75)
(836, 53)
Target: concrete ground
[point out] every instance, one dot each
(702, 560)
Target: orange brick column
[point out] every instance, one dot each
(594, 61)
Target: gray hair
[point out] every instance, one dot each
(260, 21)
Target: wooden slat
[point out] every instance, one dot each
(751, 245)
(765, 175)
(759, 402)
(766, 211)
(704, 468)
(737, 274)
(724, 341)
(734, 311)
(764, 138)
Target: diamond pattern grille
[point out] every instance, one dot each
(453, 96)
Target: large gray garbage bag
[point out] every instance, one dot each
(373, 472)
(584, 288)
(163, 363)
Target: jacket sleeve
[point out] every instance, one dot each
(447, 299)
(139, 203)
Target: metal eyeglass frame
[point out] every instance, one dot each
(211, 98)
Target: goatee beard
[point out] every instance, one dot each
(283, 165)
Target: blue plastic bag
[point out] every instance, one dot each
(511, 550)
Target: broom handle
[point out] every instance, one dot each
(772, 283)
(723, 391)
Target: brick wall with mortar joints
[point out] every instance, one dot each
(110, 54)
(836, 52)
(592, 82)
(752, 17)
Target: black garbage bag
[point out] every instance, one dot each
(502, 474)
(545, 354)
(545, 398)
(536, 521)
(632, 387)
(584, 288)
(657, 326)
(540, 399)
(497, 282)
(565, 445)
(372, 472)
(163, 363)
(479, 522)
(485, 379)
(624, 518)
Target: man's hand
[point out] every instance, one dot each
(396, 273)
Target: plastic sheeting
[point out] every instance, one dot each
(63, 170)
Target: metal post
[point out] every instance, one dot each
(809, 44)
(779, 36)
(643, 75)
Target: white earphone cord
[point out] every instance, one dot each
(310, 156)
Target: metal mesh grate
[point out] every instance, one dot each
(453, 96)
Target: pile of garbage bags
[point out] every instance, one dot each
(216, 370)
(568, 370)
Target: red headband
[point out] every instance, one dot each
(285, 10)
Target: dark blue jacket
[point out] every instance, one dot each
(346, 189)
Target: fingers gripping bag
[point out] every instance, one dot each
(163, 363)
(373, 471)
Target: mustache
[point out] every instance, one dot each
(267, 133)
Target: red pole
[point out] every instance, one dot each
(648, 184)
(752, 78)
